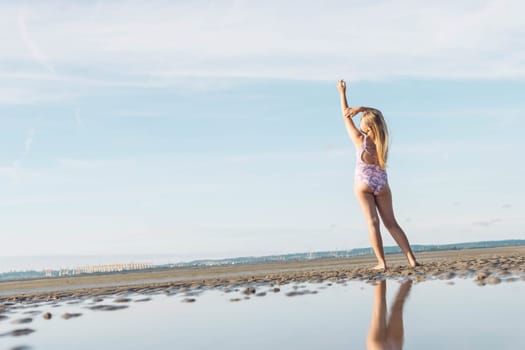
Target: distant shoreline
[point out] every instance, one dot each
(460, 262)
(120, 264)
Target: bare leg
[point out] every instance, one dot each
(384, 205)
(368, 205)
(377, 331)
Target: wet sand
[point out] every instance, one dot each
(483, 266)
(40, 311)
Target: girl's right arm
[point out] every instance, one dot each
(348, 113)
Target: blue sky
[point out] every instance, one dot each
(212, 128)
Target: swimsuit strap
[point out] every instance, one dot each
(364, 147)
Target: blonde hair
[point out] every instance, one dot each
(375, 121)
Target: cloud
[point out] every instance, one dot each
(137, 114)
(28, 141)
(78, 119)
(486, 223)
(31, 45)
(96, 164)
(23, 95)
(82, 164)
(162, 42)
(13, 171)
(10, 171)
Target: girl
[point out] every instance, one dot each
(371, 184)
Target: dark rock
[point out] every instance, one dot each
(108, 307)
(260, 294)
(276, 290)
(481, 276)
(18, 332)
(249, 290)
(188, 300)
(47, 315)
(22, 320)
(33, 312)
(302, 292)
(235, 299)
(122, 300)
(68, 315)
(142, 300)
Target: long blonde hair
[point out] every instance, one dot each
(375, 121)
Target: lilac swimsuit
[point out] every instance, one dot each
(370, 174)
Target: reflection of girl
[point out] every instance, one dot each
(389, 335)
(371, 183)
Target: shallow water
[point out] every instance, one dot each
(428, 315)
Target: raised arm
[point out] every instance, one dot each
(348, 114)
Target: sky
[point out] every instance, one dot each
(209, 129)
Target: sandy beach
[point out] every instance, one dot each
(315, 302)
(483, 266)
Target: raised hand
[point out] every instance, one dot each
(341, 86)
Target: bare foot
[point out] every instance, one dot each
(379, 267)
(414, 263)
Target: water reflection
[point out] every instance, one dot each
(389, 334)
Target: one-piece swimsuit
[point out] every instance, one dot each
(371, 174)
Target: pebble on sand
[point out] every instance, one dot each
(33, 312)
(249, 290)
(142, 300)
(103, 307)
(47, 315)
(22, 320)
(19, 332)
(188, 300)
(492, 280)
(481, 276)
(122, 300)
(68, 315)
(302, 292)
